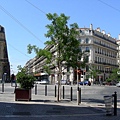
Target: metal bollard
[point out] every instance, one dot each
(63, 92)
(71, 93)
(115, 103)
(45, 90)
(3, 81)
(2, 87)
(55, 90)
(79, 95)
(35, 89)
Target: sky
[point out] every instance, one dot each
(25, 20)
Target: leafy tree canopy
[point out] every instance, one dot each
(64, 39)
(93, 71)
(114, 76)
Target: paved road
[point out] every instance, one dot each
(89, 94)
(46, 108)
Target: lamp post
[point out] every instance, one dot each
(78, 89)
(3, 81)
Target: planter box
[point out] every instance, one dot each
(22, 94)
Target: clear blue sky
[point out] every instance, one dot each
(25, 20)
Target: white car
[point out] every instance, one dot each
(118, 84)
(37, 82)
(44, 81)
(63, 82)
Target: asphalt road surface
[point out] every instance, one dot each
(93, 93)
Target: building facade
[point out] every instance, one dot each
(4, 61)
(118, 48)
(101, 52)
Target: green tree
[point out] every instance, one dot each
(93, 72)
(114, 76)
(64, 39)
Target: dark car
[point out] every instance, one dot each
(83, 83)
(86, 82)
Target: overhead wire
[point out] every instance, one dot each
(17, 21)
(19, 50)
(35, 6)
(23, 26)
(109, 5)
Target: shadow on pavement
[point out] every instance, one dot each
(93, 100)
(27, 108)
(56, 111)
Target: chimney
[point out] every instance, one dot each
(119, 37)
(91, 27)
(108, 34)
(98, 29)
(103, 31)
(0, 27)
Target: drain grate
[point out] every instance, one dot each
(21, 113)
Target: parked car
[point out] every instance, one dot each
(64, 82)
(44, 81)
(68, 82)
(83, 83)
(118, 84)
(109, 83)
(86, 82)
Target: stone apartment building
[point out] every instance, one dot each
(101, 51)
(118, 54)
(4, 61)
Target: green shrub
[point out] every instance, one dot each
(26, 81)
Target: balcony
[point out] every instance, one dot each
(104, 46)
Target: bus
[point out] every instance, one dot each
(42, 77)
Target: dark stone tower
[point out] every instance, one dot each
(4, 61)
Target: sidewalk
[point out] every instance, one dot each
(46, 107)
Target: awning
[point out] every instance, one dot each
(40, 74)
(37, 74)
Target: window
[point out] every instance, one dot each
(96, 59)
(80, 40)
(87, 40)
(87, 49)
(86, 58)
(87, 68)
(80, 49)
